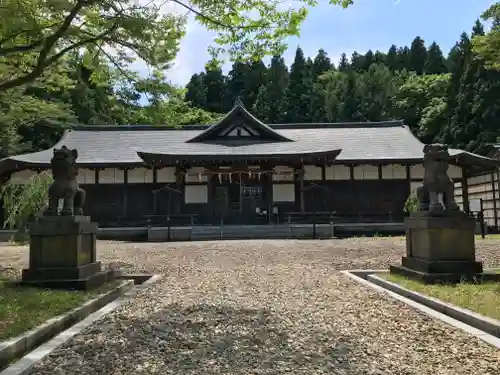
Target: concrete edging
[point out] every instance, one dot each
(25, 364)
(23, 343)
(360, 276)
(481, 322)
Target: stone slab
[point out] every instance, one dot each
(24, 365)
(96, 280)
(442, 266)
(19, 345)
(54, 225)
(62, 273)
(435, 278)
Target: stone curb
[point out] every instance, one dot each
(25, 364)
(22, 344)
(360, 276)
(481, 322)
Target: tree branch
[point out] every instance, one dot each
(22, 48)
(44, 60)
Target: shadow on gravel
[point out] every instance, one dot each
(207, 339)
(202, 340)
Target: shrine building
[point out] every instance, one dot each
(242, 171)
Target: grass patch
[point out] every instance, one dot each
(482, 298)
(22, 308)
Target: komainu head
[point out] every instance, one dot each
(64, 162)
(436, 152)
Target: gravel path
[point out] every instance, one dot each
(265, 307)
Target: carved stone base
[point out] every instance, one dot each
(441, 249)
(63, 254)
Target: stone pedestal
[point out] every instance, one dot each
(63, 254)
(441, 249)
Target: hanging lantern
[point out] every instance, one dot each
(230, 178)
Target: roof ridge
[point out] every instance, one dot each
(312, 125)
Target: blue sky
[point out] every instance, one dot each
(369, 24)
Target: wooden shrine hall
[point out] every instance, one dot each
(242, 171)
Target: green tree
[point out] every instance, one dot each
(214, 82)
(421, 102)
(435, 63)
(195, 91)
(344, 63)
(255, 79)
(321, 64)
(299, 89)
(270, 105)
(417, 56)
(357, 62)
(368, 60)
(38, 35)
(403, 58)
(488, 45)
(23, 202)
(391, 59)
(457, 64)
(236, 83)
(377, 87)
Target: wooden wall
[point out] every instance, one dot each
(114, 194)
(485, 187)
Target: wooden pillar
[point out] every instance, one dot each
(180, 174)
(465, 191)
(125, 193)
(301, 188)
(494, 191)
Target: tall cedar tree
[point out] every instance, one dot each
(270, 105)
(457, 64)
(418, 56)
(482, 128)
(195, 91)
(344, 63)
(321, 65)
(298, 91)
(403, 58)
(236, 83)
(435, 63)
(463, 121)
(391, 59)
(215, 86)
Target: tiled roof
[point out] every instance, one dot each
(384, 141)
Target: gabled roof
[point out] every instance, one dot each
(380, 142)
(239, 115)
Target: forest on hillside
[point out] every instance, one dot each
(67, 62)
(452, 99)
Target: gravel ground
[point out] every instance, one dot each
(265, 307)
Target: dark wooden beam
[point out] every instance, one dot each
(465, 191)
(494, 191)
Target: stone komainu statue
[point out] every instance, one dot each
(65, 186)
(437, 184)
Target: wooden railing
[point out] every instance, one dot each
(338, 218)
(150, 221)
